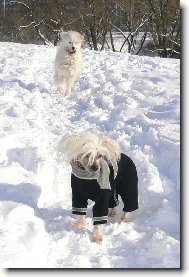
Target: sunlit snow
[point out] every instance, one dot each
(135, 100)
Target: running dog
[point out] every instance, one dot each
(68, 61)
(100, 172)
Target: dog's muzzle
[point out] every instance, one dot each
(93, 168)
(72, 51)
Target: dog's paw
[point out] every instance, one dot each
(96, 236)
(68, 93)
(121, 220)
(112, 212)
(61, 90)
(124, 218)
(78, 224)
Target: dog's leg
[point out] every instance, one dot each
(124, 218)
(112, 212)
(80, 223)
(60, 82)
(69, 83)
(97, 235)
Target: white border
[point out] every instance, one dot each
(185, 184)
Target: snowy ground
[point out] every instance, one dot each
(135, 100)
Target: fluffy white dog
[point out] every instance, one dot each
(68, 60)
(99, 172)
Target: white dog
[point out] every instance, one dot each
(99, 172)
(68, 60)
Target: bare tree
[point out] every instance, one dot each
(134, 20)
(44, 19)
(165, 26)
(93, 15)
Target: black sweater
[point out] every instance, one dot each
(125, 184)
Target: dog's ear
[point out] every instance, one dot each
(82, 37)
(63, 35)
(67, 143)
(112, 146)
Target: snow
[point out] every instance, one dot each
(135, 100)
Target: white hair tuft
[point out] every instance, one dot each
(83, 144)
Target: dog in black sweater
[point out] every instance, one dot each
(100, 172)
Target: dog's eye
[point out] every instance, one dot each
(100, 156)
(69, 41)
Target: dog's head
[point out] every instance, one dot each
(88, 149)
(89, 161)
(71, 41)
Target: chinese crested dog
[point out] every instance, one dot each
(100, 172)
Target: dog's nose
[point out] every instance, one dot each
(94, 167)
(73, 48)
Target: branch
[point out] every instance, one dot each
(26, 26)
(21, 3)
(141, 43)
(178, 44)
(72, 21)
(118, 29)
